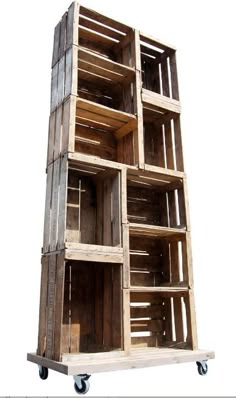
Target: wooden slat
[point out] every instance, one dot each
(165, 78)
(146, 325)
(151, 311)
(104, 20)
(63, 35)
(62, 203)
(65, 338)
(144, 341)
(125, 129)
(160, 102)
(160, 289)
(61, 82)
(178, 145)
(116, 308)
(174, 76)
(47, 213)
(153, 230)
(72, 25)
(97, 27)
(138, 109)
(107, 311)
(50, 306)
(102, 41)
(155, 42)
(43, 307)
(169, 146)
(59, 302)
(106, 65)
(54, 85)
(56, 44)
(104, 110)
(126, 321)
(51, 138)
(116, 212)
(54, 207)
(58, 132)
(191, 321)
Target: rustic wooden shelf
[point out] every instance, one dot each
(116, 266)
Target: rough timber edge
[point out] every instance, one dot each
(133, 361)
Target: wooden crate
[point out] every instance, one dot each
(116, 281)
(82, 207)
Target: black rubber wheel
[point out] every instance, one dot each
(202, 369)
(84, 387)
(43, 373)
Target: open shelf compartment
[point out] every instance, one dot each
(155, 200)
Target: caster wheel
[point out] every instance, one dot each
(202, 368)
(84, 387)
(43, 373)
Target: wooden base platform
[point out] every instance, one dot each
(117, 360)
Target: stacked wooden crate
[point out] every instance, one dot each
(116, 264)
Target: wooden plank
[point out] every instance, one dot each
(77, 307)
(107, 311)
(100, 40)
(65, 338)
(124, 195)
(61, 81)
(169, 146)
(62, 203)
(172, 209)
(104, 20)
(104, 110)
(72, 25)
(43, 307)
(178, 145)
(146, 325)
(160, 102)
(47, 213)
(125, 129)
(59, 302)
(138, 108)
(126, 321)
(107, 226)
(93, 160)
(184, 206)
(150, 311)
(116, 308)
(50, 306)
(56, 44)
(159, 289)
(54, 91)
(179, 331)
(126, 259)
(54, 207)
(165, 172)
(97, 27)
(99, 307)
(137, 360)
(63, 35)
(174, 76)
(116, 211)
(156, 42)
(165, 78)
(153, 230)
(68, 130)
(106, 65)
(191, 320)
(51, 138)
(144, 341)
(58, 132)
(69, 71)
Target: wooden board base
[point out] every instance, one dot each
(138, 358)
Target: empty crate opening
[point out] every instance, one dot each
(162, 140)
(159, 72)
(103, 36)
(159, 320)
(92, 307)
(158, 262)
(104, 133)
(155, 202)
(105, 82)
(93, 208)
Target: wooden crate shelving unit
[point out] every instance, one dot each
(116, 281)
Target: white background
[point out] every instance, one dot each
(204, 33)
